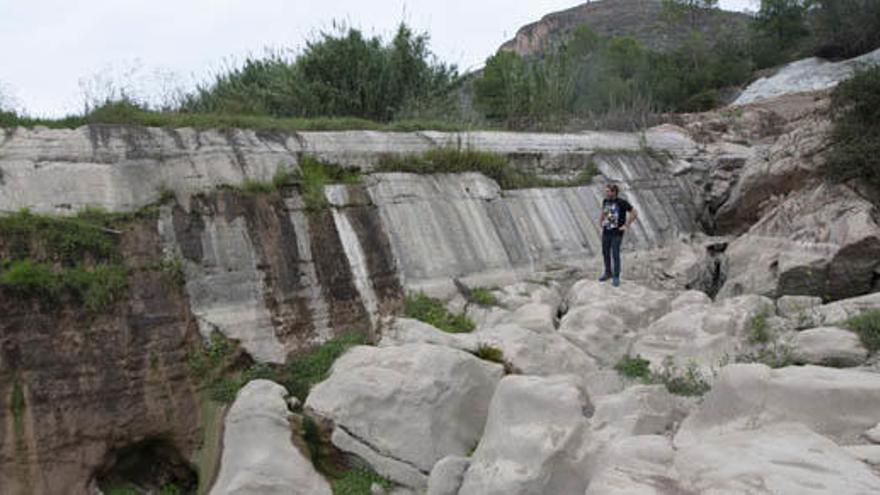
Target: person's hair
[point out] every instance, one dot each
(614, 188)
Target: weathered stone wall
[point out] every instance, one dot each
(94, 384)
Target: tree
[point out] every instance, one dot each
(783, 20)
(845, 28)
(692, 10)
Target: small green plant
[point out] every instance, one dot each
(483, 297)
(97, 287)
(166, 195)
(433, 312)
(17, 402)
(490, 353)
(451, 160)
(358, 481)
(315, 174)
(759, 330)
(251, 187)
(867, 327)
(170, 489)
(634, 367)
(26, 279)
(305, 370)
(687, 382)
(283, 177)
(173, 269)
(122, 491)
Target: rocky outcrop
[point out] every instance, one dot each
(258, 456)
(811, 74)
(82, 393)
(403, 408)
(828, 346)
(253, 275)
(640, 19)
(535, 439)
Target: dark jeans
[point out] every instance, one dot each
(611, 240)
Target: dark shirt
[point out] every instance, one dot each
(614, 213)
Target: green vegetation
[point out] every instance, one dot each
(214, 367)
(855, 149)
(358, 482)
(47, 257)
(433, 312)
(496, 167)
(490, 353)
(17, 403)
(483, 297)
(867, 326)
(634, 367)
(173, 269)
(759, 331)
(687, 382)
(316, 174)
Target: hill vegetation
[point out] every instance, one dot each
(345, 80)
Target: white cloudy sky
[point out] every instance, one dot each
(56, 52)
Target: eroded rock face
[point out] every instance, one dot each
(264, 271)
(91, 386)
(822, 241)
(258, 456)
(403, 408)
(535, 439)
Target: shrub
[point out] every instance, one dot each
(60, 238)
(433, 312)
(634, 367)
(867, 326)
(855, 149)
(759, 330)
(687, 382)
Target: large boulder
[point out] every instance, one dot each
(779, 458)
(639, 465)
(703, 334)
(638, 410)
(839, 404)
(602, 320)
(258, 456)
(403, 408)
(535, 439)
(821, 241)
(840, 311)
(533, 353)
(829, 346)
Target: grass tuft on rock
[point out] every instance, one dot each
(483, 297)
(450, 160)
(687, 382)
(358, 481)
(490, 353)
(867, 327)
(433, 312)
(634, 367)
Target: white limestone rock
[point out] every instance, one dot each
(778, 458)
(258, 456)
(447, 475)
(706, 335)
(639, 465)
(829, 346)
(535, 439)
(809, 74)
(638, 410)
(603, 320)
(533, 353)
(409, 331)
(403, 408)
(840, 404)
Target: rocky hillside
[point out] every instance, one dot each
(640, 19)
(739, 352)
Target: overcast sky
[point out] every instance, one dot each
(58, 52)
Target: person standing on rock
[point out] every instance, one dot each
(617, 216)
